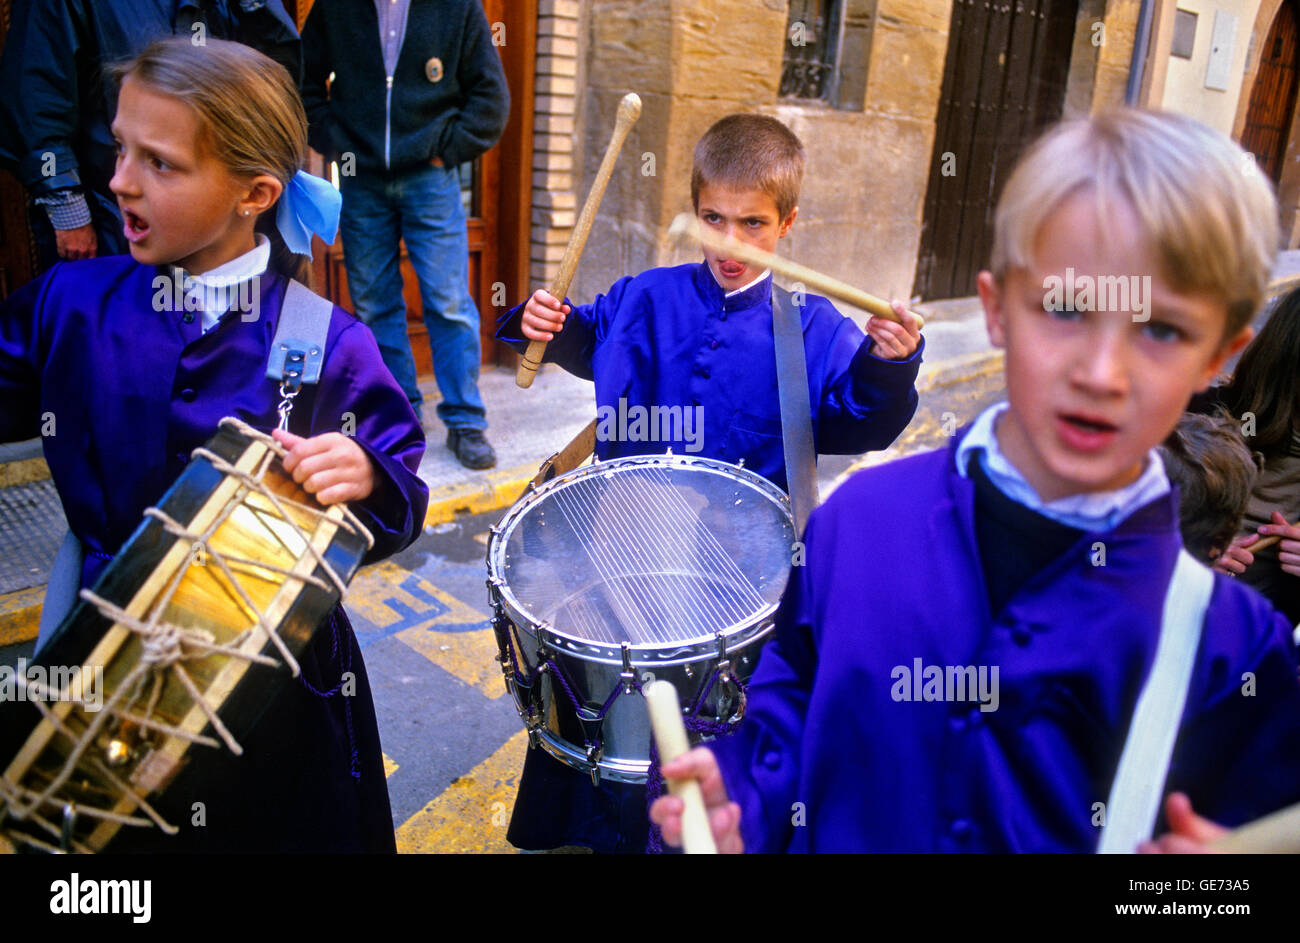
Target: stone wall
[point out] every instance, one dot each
(693, 61)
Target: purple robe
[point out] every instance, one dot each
(671, 338)
(122, 392)
(841, 749)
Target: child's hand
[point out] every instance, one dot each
(1288, 551)
(1189, 833)
(543, 316)
(331, 466)
(895, 341)
(1237, 557)
(724, 815)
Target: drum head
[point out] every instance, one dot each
(657, 552)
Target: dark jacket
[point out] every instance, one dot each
(55, 99)
(455, 118)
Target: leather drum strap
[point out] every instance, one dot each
(796, 412)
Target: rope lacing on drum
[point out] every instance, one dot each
(165, 647)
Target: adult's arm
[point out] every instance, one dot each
(478, 123)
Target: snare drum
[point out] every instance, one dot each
(631, 570)
(178, 644)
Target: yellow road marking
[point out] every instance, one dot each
(379, 593)
(20, 615)
(389, 766)
(471, 815)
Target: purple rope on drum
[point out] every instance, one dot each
(695, 724)
(654, 785)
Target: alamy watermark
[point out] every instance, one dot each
(951, 683)
(1098, 293)
(625, 423)
(78, 683)
(189, 294)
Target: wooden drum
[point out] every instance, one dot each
(180, 643)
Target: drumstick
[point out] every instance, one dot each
(629, 109)
(670, 736)
(1276, 834)
(1265, 542)
(687, 226)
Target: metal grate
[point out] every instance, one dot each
(811, 50)
(31, 528)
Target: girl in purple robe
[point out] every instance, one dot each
(126, 364)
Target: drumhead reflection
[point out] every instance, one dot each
(650, 553)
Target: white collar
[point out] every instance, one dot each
(766, 272)
(215, 284)
(1095, 511)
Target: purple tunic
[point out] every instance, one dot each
(670, 337)
(123, 393)
(830, 757)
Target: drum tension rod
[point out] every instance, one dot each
(627, 674)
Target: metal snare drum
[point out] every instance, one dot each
(622, 572)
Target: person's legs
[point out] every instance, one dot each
(433, 225)
(371, 226)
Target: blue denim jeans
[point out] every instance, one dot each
(421, 206)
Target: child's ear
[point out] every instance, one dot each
(261, 195)
(1229, 349)
(787, 223)
(990, 293)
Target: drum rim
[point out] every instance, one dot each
(735, 635)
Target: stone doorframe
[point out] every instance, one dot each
(1288, 189)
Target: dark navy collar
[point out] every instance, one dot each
(752, 297)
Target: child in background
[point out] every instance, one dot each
(210, 138)
(1207, 459)
(1264, 395)
(699, 338)
(1049, 536)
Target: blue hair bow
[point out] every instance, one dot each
(309, 204)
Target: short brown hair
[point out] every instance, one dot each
(1208, 460)
(750, 152)
(1205, 208)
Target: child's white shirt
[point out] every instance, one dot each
(1097, 511)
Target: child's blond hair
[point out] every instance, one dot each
(750, 152)
(248, 108)
(1208, 213)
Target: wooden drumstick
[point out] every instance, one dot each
(1265, 542)
(629, 109)
(1276, 834)
(670, 737)
(687, 226)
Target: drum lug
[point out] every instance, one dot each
(627, 675)
(593, 761)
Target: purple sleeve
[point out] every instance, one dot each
(1238, 756)
(761, 762)
(21, 358)
(574, 347)
(358, 393)
(866, 401)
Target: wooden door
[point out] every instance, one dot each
(496, 189)
(17, 252)
(1273, 96)
(1004, 80)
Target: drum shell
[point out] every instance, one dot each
(625, 731)
(599, 671)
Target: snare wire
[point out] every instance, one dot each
(665, 574)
